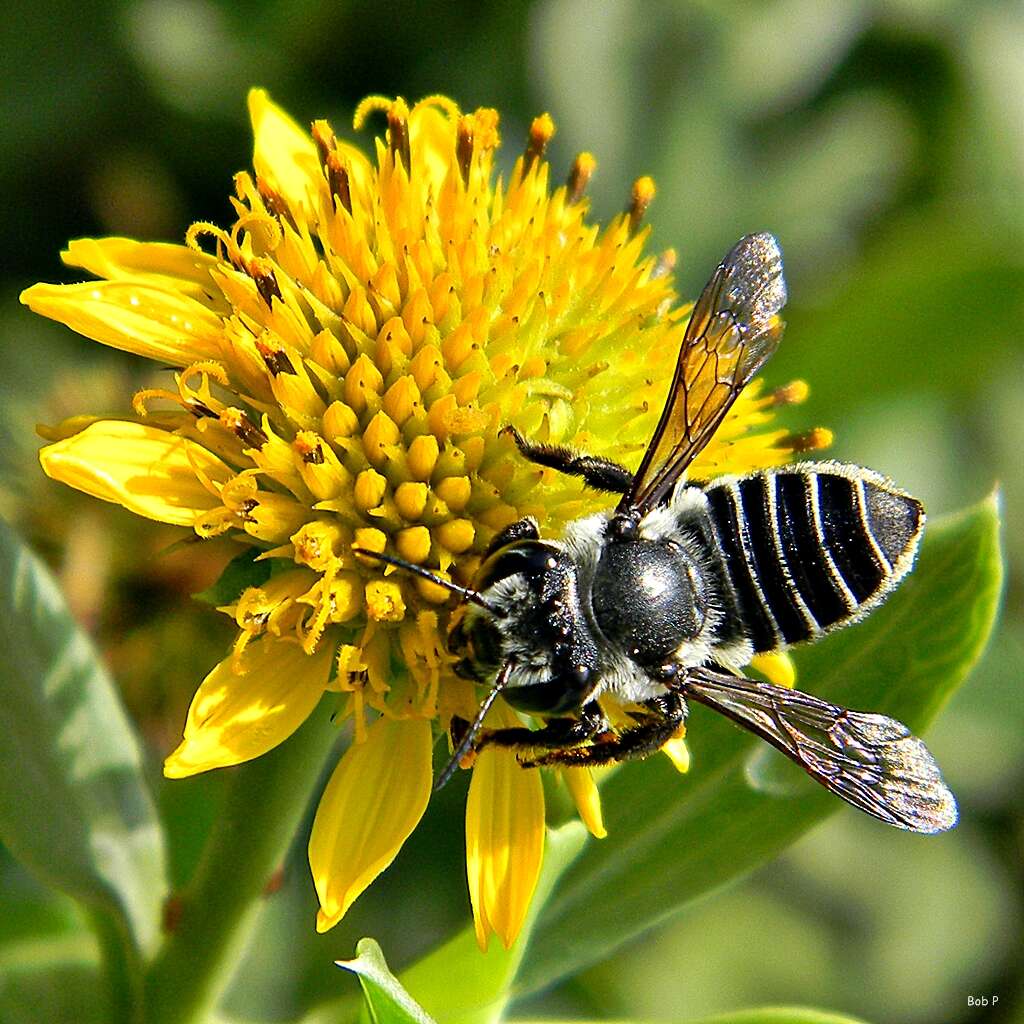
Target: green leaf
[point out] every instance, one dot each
(779, 1015)
(768, 1015)
(386, 1001)
(74, 806)
(461, 985)
(242, 571)
(674, 839)
(54, 979)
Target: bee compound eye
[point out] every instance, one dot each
(530, 558)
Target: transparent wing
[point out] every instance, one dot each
(870, 761)
(733, 330)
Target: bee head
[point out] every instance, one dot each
(531, 617)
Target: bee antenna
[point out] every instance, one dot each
(417, 570)
(466, 743)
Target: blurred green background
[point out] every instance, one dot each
(882, 143)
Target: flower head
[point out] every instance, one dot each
(347, 352)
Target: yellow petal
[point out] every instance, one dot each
(173, 267)
(134, 316)
(283, 154)
(678, 753)
(149, 471)
(236, 717)
(584, 791)
(432, 136)
(777, 667)
(504, 843)
(371, 805)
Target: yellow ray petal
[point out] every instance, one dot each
(678, 753)
(587, 797)
(374, 800)
(134, 316)
(283, 154)
(174, 267)
(149, 471)
(504, 843)
(236, 717)
(777, 667)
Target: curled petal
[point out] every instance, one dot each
(504, 843)
(172, 267)
(235, 717)
(133, 315)
(371, 805)
(150, 472)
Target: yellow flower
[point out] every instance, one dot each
(348, 351)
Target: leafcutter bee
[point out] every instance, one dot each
(665, 599)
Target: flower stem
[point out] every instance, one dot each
(215, 912)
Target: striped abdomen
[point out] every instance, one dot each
(810, 547)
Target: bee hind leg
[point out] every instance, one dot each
(599, 473)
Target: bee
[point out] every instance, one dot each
(665, 599)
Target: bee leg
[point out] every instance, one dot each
(601, 474)
(556, 733)
(522, 529)
(668, 713)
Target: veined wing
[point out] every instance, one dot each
(734, 328)
(868, 760)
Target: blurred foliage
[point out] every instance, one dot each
(882, 143)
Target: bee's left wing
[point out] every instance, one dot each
(870, 761)
(733, 329)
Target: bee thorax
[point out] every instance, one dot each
(647, 599)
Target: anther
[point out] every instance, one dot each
(464, 145)
(243, 428)
(398, 131)
(643, 193)
(273, 200)
(541, 131)
(793, 393)
(276, 359)
(323, 137)
(486, 121)
(810, 441)
(338, 180)
(583, 168)
(262, 273)
(312, 454)
(666, 263)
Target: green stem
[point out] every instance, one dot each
(120, 961)
(265, 801)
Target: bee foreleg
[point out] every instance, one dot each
(556, 732)
(601, 474)
(668, 713)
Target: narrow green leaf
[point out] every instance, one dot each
(768, 1015)
(461, 985)
(74, 806)
(779, 1015)
(386, 1001)
(673, 839)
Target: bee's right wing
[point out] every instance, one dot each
(733, 329)
(870, 761)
